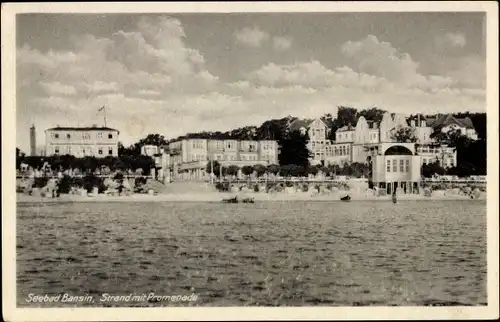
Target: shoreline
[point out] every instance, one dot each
(217, 197)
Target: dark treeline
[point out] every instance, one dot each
(354, 169)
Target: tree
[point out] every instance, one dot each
(273, 168)
(247, 170)
(216, 167)
(312, 170)
(232, 170)
(135, 149)
(292, 170)
(19, 158)
(346, 115)
(404, 135)
(428, 170)
(373, 114)
(294, 150)
(259, 169)
(462, 170)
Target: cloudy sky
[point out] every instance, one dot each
(173, 74)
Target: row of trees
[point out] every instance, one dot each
(461, 170)
(291, 170)
(87, 164)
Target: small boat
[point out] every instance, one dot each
(248, 200)
(230, 200)
(346, 198)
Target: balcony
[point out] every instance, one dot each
(174, 151)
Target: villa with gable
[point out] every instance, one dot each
(362, 141)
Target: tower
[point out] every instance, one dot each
(32, 140)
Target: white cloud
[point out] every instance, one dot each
(451, 39)
(56, 88)
(251, 37)
(153, 82)
(100, 86)
(282, 43)
(378, 58)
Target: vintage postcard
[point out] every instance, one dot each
(228, 161)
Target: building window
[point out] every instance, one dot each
(407, 166)
(110, 151)
(401, 165)
(99, 135)
(388, 165)
(69, 150)
(56, 149)
(56, 136)
(394, 166)
(99, 151)
(110, 136)
(83, 151)
(68, 136)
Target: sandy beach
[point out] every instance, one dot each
(216, 197)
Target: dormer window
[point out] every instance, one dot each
(110, 136)
(68, 136)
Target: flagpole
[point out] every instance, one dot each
(104, 107)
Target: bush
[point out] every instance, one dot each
(305, 187)
(91, 181)
(289, 184)
(222, 186)
(65, 184)
(40, 182)
(118, 176)
(140, 181)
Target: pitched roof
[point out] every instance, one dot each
(467, 122)
(448, 119)
(85, 128)
(298, 124)
(346, 128)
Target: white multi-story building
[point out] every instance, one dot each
(448, 122)
(91, 141)
(318, 133)
(360, 142)
(188, 158)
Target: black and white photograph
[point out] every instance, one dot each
(212, 158)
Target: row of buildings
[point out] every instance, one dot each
(358, 142)
(364, 142)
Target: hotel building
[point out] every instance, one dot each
(92, 141)
(189, 157)
(318, 132)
